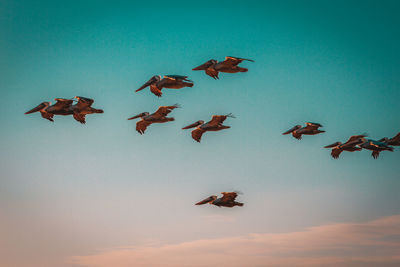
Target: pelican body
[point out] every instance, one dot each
(311, 128)
(227, 200)
(351, 145)
(157, 83)
(375, 146)
(215, 124)
(230, 65)
(160, 116)
(64, 107)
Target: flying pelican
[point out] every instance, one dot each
(168, 81)
(82, 108)
(351, 145)
(215, 124)
(160, 116)
(229, 65)
(311, 129)
(375, 146)
(227, 200)
(61, 107)
(395, 141)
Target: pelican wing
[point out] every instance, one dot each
(205, 201)
(84, 102)
(79, 117)
(228, 196)
(212, 73)
(164, 110)
(40, 107)
(233, 61)
(375, 154)
(312, 125)
(152, 80)
(292, 129)
(177, 77)
(141, 126)
(217, 119)
(355, 138)
(62, 103)
(336, 152)
(197, 134)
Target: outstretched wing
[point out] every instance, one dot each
(79, 117)
(375, 154)
(212, 73)
(219, 119)
(228, 196)
(292, 129)
(177, 77)
(141, 126)
(155, 90)
(197, 134)
(83, 102)
(164, 110)
(355, 138)
(233, 61)
(62, 103)
(312, 125)
(152, 80)
(336, 152)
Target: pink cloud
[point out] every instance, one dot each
(374, 243)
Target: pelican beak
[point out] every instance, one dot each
(197, 123)
(203, 66)
(137, 116)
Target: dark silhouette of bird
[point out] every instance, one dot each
(351, 145)
(160, 116)
(375, 146)
(395, 141)
(82, 108)
(61, 107)
(311, 128)
(215, 124)
(230, 65)
(227, 200)
(157, 83)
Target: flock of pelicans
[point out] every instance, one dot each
(212, 68)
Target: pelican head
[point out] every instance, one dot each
(197, 123)
(210, 200)
(141, 115)
(40, 107)
(206, 65)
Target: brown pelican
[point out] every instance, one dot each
(215, 124)
(82, 108)
(61, 107)
(351, 145)
(375, 146)
(160, 116)
(311, 129)
(227, 200)
(395, 141)
(229, 65)
(168, 81)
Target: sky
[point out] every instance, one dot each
(101, 194)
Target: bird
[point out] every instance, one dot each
(227, 200)
(157, 83)
(160, 116)
(311, 128)
(230, 65)
(82, 108)
(375, 146)
(350, 145)
(395, 141)
(215, 124)
(61, 107)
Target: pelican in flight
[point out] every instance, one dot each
(157, 83)
(351, 145)
(82, 108)
(395, 141)
(227, 200)
(375, 146)
(215, 124)
(61, 107)
(311, 128)
(160, 116)
(229, 65)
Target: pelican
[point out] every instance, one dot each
(395, 141)
(215, 124)
(168, 81)
(351, 145)
(375, 146)
(229, 65)
(227, 200)
(82, 108)
(311, 128)
(61, 107)
(160, 116)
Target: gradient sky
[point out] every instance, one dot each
(70, 190)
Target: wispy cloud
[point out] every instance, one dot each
(374, 243)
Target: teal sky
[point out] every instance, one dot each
(69, 190)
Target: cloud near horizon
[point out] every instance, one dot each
(374, 243)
